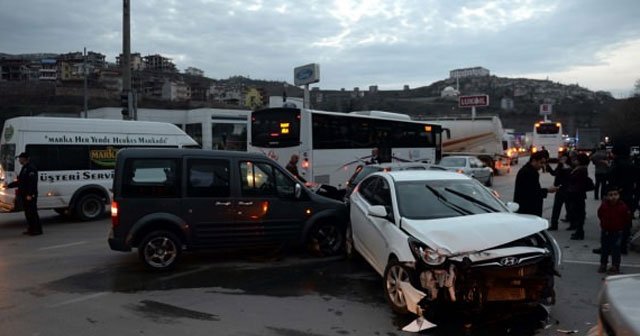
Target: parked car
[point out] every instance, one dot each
(441, 238)
(618, 311)
(366, 170)
(170, 200)
(469, 165)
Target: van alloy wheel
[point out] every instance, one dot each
(326, 239)
(159, 250)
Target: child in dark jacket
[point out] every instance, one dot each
(614, 216)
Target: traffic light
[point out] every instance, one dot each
(124, 102)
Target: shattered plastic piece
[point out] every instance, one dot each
(418, 325)
(564, 331)
(412, 296)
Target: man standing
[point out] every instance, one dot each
(292, 167)
(27, 184)
(528, 193)
(600, 160)
(375, 156)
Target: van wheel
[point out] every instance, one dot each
(89, 207)
(160, 250)
(326, 239)
(395, 273)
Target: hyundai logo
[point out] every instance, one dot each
(509, 261)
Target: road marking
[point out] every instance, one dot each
(80, 299)
(597, 263)
(61, 246)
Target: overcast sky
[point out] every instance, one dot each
(594, 43)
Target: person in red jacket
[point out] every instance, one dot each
(614, 216)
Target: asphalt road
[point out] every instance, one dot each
(68, 282)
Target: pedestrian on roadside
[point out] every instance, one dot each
(600, 159)
(27, 184)
(614, 216)
(528, 193)
(561, 180)
(375, 156)
(624, 175)
(579, 184)
(292, 167)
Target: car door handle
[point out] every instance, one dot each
(223, 203)
(245, 203)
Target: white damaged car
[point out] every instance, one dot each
(441, 239)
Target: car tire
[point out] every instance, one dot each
(393, 274)
(489, 182)
(160, 250)
(89, 207)
(326, 239)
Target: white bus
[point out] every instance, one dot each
(222, 129)
(332, 144)
(75, 158)
(548, 134)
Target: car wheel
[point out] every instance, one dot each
(89, 207)
(160, 250)
(326, 239)
(395, 273)
(489, 182)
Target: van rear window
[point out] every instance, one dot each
(151, 177)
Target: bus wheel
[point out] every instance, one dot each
(89, 207)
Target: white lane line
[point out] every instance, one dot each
(61, 246)
(597, 263)
(80, 299)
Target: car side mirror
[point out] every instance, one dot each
(297, 193)
(378, 211)
(513, 206)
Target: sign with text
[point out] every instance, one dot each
(473, 101)
(545, 109)
(306, 74)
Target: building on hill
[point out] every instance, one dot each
(469, 72)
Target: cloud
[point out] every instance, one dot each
(357, 43)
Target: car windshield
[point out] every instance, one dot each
(445, 198)
(452, 162)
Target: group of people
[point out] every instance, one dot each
(616, 183)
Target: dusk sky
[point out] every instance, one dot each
(593, 43)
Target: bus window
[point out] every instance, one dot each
(195, 132)
(229, 136)
(275, 128)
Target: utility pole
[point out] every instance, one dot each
(126, 97)
(86, 97)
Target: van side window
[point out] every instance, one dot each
(257, 179)
(284, 184)
(151, 177)
(208, 178)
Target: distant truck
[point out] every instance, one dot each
(480, 136)
(587, 139)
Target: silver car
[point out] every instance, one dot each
(470, 166)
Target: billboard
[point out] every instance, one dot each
(306, 74)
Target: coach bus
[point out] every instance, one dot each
(331, 145)
(548, 134)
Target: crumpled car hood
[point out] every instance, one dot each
(473, 233)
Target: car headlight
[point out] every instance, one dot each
(422, 252)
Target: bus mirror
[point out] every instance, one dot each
(297, 191)
(447, 131)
